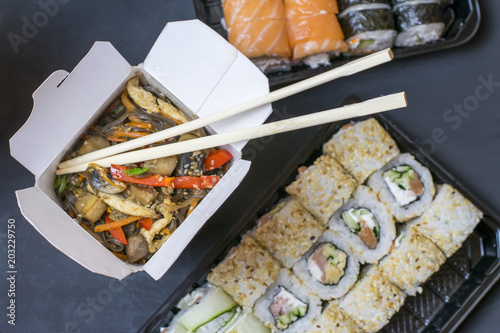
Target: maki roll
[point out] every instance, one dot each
(368, 27)
(366, 226)
(329, 269)
(323, 187)
(373, 300)
(412, 260)
(314, 31)
(418, 22)
(344, 4)
(287, 305)
(207, 309)
(334, 320)
(405, 186)
(246, 272)
(287, 231)
(362, 148)
(449, 220)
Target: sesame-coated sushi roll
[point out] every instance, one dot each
(287, 231)
(288, 306)
(334, 320)
(404, 186)
(323, 188)
(328, 269)
(413, 259)
(246, 272)
(373, 300)
(366, 225)
(449, 220)
(362, 148)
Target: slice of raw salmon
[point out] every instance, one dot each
(301, 8)
(248, 10)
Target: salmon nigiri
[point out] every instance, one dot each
(313, 29)
(257, 28)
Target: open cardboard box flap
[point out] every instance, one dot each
(197, 69)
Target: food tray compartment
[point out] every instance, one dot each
(462, 19)
(447, 297)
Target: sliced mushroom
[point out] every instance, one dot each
(90, 206)
(126, 206)
(93, 143)
(111, 243)
(137, 247)
(142, 194)
(191, 164)
(100, 181)
(164, 166)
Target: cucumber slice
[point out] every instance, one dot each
(284, 319)
(302, 310)
(246, 322)
(351, 222)
(364, 43)
(211, 306)
(392, 175)
(403, 168)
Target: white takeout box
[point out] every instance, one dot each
(196, 68)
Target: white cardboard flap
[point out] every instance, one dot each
(67, 236)
(166, 256)
(46, 134)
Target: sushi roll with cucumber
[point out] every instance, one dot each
(323, 187)
(362, 148)
(366, 226)
(418, 21)
(368, 26)
(404, 186)
(334, 320)
(449, 220)
(206, 310)
(412, 260)
(246, 272)
(329, 269)
(373, 300)
(287, 231)
(288, 305)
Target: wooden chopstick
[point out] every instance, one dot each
(375, 105)
(350, 68)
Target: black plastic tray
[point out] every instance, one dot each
(448, 296)
(462, 21)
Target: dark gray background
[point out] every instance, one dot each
(54, 294)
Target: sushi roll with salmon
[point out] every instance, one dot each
(362, 148)
(257, 29)
(287, 231)
(373, 300)
(366, 226)
(334, 320)
(313, 30)
(412, 260)
(287, 305)
(323, 187)
(449, 219)
(404, 186)
(329, 269)
(418, 21)
(368, 25)
(246, 272)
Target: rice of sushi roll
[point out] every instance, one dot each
(245, 322)
(373, 300)
(287, 305)
(287, 231)
(328, 269)
(366, 225)
(344, 4)
(362, 148)
(246, 272)
(334, 320)
(413, 259)
(449, 220)
(368, 27)
(323, 188)
(206, 310)
(419, 22)
(404, 186)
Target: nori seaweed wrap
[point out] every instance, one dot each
(368, 28)
(418, 22)
(344, 4)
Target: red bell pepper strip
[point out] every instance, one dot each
(146, 223)
(183, 182)
(216, 158)
(117, 233)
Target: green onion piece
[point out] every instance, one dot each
(60, 183)
(118, 109)
(136, 171)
